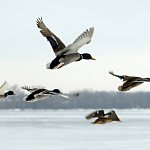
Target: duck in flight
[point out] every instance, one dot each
(103, 118)
(4, 94)
(37, 94)
(65, 54)
(129, 81)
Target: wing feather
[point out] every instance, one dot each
(3, 87)
(80, 41)
(28, 88)
(56, 43)
(86, 35)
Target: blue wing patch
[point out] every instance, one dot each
(53, 42)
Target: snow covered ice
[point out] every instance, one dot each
(69, 130)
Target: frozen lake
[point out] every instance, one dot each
(69, 130)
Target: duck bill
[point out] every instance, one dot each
(93, 58)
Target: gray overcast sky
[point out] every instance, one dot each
(121, 42)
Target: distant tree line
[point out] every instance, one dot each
(86, 100)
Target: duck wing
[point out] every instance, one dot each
(139, 79)
(3, 87)
(45, 91)
(95, 114)
(56, 43)
(112, 115)
(64, 96)
(119, 76)
(28, 88)
(59, 94)
(69, 96)
(81, 40)
(42, 95)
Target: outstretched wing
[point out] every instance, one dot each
(64, 96)
(122, 77)
(56, 43)
(69, 96)
(95, 114)
(85, 37)
(28, 88)
(3, 87)
(112, 115)
(59, 94)
(81, 40)
(111, 72)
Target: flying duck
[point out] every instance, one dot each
(65, 54)
(37, 94)
(103, 118)
(129, 81)
(4, 94)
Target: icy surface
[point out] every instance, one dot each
(69, 130)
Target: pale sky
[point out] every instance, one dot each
(121, 42)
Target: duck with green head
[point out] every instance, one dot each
(65, 54)
(37, 94)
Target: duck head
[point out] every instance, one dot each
(120, 88)
(56, 91)
(87, 56)
(9, 93)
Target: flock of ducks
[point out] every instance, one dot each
(35, 94)
(64, 56)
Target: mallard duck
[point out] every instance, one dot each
(129, 81)
(37, 94)
(65, 54)
(4, 94)
(103, 118)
